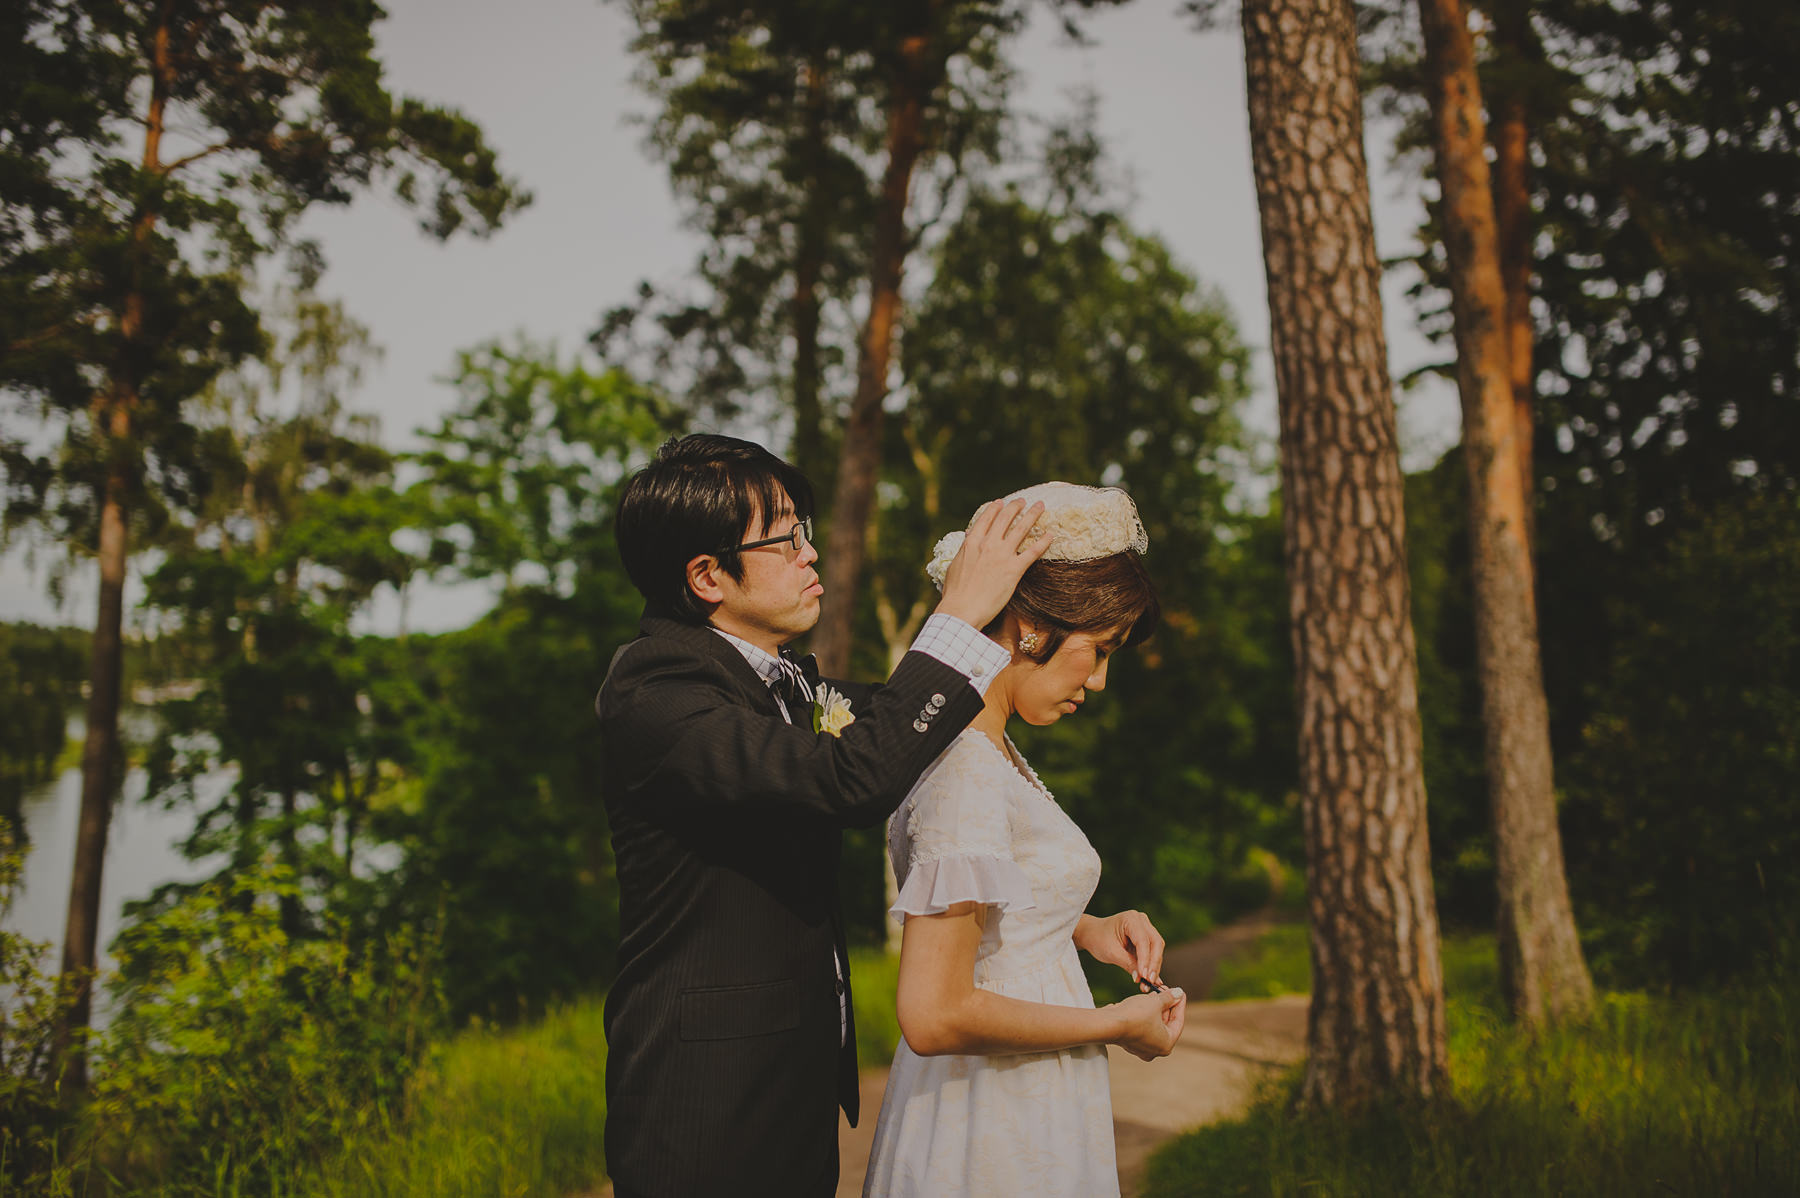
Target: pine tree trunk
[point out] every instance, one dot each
(1542, 971)
(99, 761)
(859, 460)
(1511, 136)
(113, 415)
(1376, 1023)
(809, 421)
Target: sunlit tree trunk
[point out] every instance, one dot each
(809, 417)
(1511, 137)
(100, 755)
(859, 460)
(1376, 1022)
(1541, 966)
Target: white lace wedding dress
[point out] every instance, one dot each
(980, 826)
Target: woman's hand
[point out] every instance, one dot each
(1128, 940)
(1152, 1023)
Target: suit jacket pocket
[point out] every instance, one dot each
(733, 1012)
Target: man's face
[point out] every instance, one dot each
(778, 597)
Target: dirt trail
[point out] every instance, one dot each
(1227, 1048)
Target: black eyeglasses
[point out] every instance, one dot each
(797, 536)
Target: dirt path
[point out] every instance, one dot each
(1226, 1049)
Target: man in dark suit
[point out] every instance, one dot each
(730, 1040)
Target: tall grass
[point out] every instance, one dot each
(1693, 1095)
(518, 1113)
(876, 976)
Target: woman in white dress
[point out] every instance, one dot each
(1000, 1084)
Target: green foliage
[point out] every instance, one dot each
(773, 119)
(1278, 963)
(518, 474)
(518, 1112)
(876, 976)
(40, 681)
(1692, 1096)
(294, 534)
(1437, 555)
(1683, 812)
(238, 1053)
(143, 191)
(507, 834)
(35, 1153)
(1057, 341)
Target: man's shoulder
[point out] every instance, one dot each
(645, 656)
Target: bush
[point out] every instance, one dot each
(35, 1152)
(239, 1053)
(1684, 809)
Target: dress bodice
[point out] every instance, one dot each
(982, 815)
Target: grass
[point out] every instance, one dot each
(1280, 963)
(876, 976)
(517, 1112)
(1696, 1094)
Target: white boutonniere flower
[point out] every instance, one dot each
(831, 711)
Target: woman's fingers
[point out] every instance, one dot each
(1174, 1014)
(1144, 944)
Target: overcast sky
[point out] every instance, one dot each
(550, 81)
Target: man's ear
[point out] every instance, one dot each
(703, 575)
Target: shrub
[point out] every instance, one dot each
(35, 1152)
(238, 1052)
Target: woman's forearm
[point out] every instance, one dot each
(979, 1022)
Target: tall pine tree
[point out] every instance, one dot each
(171, 145)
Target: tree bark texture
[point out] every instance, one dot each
(1511, 137)
(859, 460)
(114, 409)
(809, 430)
(1541, 966)
(1376, 1023)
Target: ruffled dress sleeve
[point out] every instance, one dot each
(958, 842)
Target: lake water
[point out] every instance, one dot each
(141, 854)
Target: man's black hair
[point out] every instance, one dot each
(697, 496)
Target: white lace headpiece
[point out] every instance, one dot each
(1085, 522)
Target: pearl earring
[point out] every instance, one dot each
(1029, 642)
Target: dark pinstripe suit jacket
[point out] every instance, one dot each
(724, 1070)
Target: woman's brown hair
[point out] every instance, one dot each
(1092, 596)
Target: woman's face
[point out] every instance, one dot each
(1046, 693)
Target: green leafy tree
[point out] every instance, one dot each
(1682, 799)
(167, 147)
(294, 536)
(506, 835)
(764, 122)
(1660, 265)
(40, 683)
(1058, 341)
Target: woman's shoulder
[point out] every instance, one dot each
(972, 760)
(969, 776)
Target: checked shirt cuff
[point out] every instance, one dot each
(960, 645)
